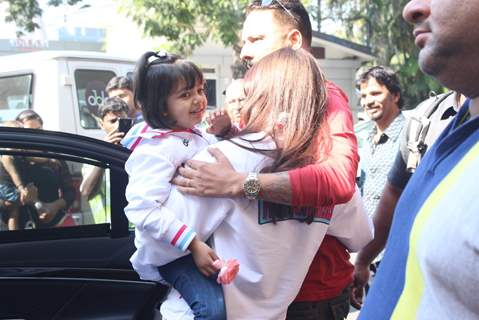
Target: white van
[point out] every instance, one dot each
(64, 87)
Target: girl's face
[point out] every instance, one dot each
(187, 107)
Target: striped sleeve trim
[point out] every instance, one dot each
(183, 238)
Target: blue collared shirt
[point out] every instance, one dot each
(377, 159)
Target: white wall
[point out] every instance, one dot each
(342, 73)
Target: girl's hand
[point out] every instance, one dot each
(219, 123)
(204, 257)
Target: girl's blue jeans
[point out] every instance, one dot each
(203, 294)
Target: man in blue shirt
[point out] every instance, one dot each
(429, 270)
(380, 97)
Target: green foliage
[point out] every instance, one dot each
(379, 24)
(188, 24)
(24, 12)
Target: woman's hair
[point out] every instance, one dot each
(157, 75)
(288, 82)
(28, 115)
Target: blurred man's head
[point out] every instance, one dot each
(271, 25)
(30, 119)
(446, 33)
(110, 111)
(380, 94)
(122, 87)
(234, 97)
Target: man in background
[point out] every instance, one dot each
(380, 98)
(110, 111)
(122, 87)
(234, 96)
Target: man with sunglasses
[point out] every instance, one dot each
(271, 25)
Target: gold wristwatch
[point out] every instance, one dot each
(251, 186)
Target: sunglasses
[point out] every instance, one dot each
(265, 3)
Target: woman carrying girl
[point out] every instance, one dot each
(282, 114)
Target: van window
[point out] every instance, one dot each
(15, 95)
(90, 86)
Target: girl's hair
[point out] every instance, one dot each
(288, 82)
(157, 75)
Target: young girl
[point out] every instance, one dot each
(171, 94)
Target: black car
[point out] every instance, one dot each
(79, 268)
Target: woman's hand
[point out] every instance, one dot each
(204, 256)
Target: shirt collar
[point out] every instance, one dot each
(392, 131)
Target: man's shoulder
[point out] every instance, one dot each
(335, 92)
(338, 104)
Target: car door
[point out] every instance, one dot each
(79, 268)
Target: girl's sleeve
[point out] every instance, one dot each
(150, 171)
(351, 224)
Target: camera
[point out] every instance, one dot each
(124, 124)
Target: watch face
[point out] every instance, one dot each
(252, 188)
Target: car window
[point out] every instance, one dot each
(90, 86)
(39, 192)
(15, 95)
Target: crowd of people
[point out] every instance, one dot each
(255, 216)
(38, 184)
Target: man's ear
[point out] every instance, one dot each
(295, 39)
(397, 97)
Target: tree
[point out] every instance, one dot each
(379, 25)
(188, 24)
(24, 12)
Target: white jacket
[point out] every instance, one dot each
(156, 155)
